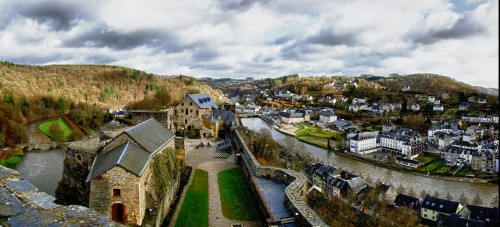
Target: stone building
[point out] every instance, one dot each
(121, 179)
(219, 121)
(188, 113)
(165, 117)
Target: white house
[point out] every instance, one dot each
(415, 107)
(431, 99)
(327, 116)
(363, 143)
(437, 108)
(406, 88)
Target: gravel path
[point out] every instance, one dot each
(203, 158)
(35, 136)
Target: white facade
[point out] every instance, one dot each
(326, 120)
(363, 143)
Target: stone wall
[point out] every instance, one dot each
(78, 157)
(294, 192)
(165, 117)
(21, 204)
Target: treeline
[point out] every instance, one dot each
(15, 112)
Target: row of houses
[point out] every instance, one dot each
(401, 142)
(485, 160)
(479, 118)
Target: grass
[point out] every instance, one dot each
(11, 162)
(310, 133)
(465, 170)
(194, 210)
(450, 112)
(433, 165)
(238, 202)
(425, 159)
(44, 127)
(443, 169)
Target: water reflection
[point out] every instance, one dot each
(407, 180)
(42, 169)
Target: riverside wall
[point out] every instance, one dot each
(295, 190)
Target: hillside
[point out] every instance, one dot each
(105, 86)
(426, 83)
(490, 91)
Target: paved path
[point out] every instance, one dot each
(203, 158)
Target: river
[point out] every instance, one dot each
(42, 169)
(487, 191)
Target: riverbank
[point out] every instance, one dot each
(384, 165)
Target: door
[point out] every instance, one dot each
(118, 212)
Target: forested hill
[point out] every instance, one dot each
(106, 86)
(426, 83)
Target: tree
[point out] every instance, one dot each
(463, 200)
(56, 133)
(415, 123)
(75, 135)
(412, 192)
(494, 202)
(61, 105)
(448, 196)
(165, 169)
(422, 194)
(329, 147)
(477, 200)
(436, 194)
(400, 189)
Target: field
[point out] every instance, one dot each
(310, 133)
(44, 127)
(238, 202)
(434, 165)
(443, 169)
(194, 210)
(426, 159)
(465, 170)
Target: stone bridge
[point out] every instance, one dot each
(39, 146)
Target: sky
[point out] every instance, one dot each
(259, 38)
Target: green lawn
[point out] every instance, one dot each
(464, 170)
(310, 133)
(443, 169)
(44, 127)
(194, 210)
(11, 162)
(426, 159)
(238, 202)
(434, 165)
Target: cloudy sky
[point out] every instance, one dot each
(259, 38)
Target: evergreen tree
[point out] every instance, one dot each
(423, 193)
(436, 194)
(448, 196)
(463, 200)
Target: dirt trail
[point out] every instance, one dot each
(35, 136)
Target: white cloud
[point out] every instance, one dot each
(260, 38)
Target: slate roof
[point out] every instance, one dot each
(203, 101)
(225, 115)
(150, 135)
(440, 205)
(134, 155)
(327, 113)
(482, 213)
(409, 201)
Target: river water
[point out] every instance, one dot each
(487, 191)
(42, 169)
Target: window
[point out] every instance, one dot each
(182, 104)
(190, 111)
(191, 103)
(116, 192)
(185, 121)
(187, 111)
(78, 158)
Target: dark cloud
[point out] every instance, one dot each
(203, 53)
(464, 27)
(282, 40)
(296, 50)
(239, 5)
(262, 58)
(328, 37)
(116, 40)
(37, 59)
(57, 15)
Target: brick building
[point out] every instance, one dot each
(188, 113)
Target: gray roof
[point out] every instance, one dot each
(225, 115)
(128, 155)
(150, 135)
(203, 101)
(146, 139)
(327, 113)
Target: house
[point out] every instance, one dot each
(405, 88)
(385, 192)
(415, 107)
(338, 187)
(480, 213)
(353, 107)
(340, 85)
(402, 142)
(432, 207)
(458, 155)
(344, 125)
(289, 117)
(219, 121)
(189, 111)
(472, 99)
(407, 162)
(457, 220)
(356, 184)
(122, 178)
(482, 101)
(165, 117)
(327, 116)
(363, 143)
(484, 160)
(388, 126)
(441, 139)
(437, 102)
(463, 106)
(407, 201)
(431, 99)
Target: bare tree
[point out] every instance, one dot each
(448, 196)
(400, 189)
(412, 192)
(436, 194)
(463, 200)
(477, 200)
(423, 193)
(494, 202)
